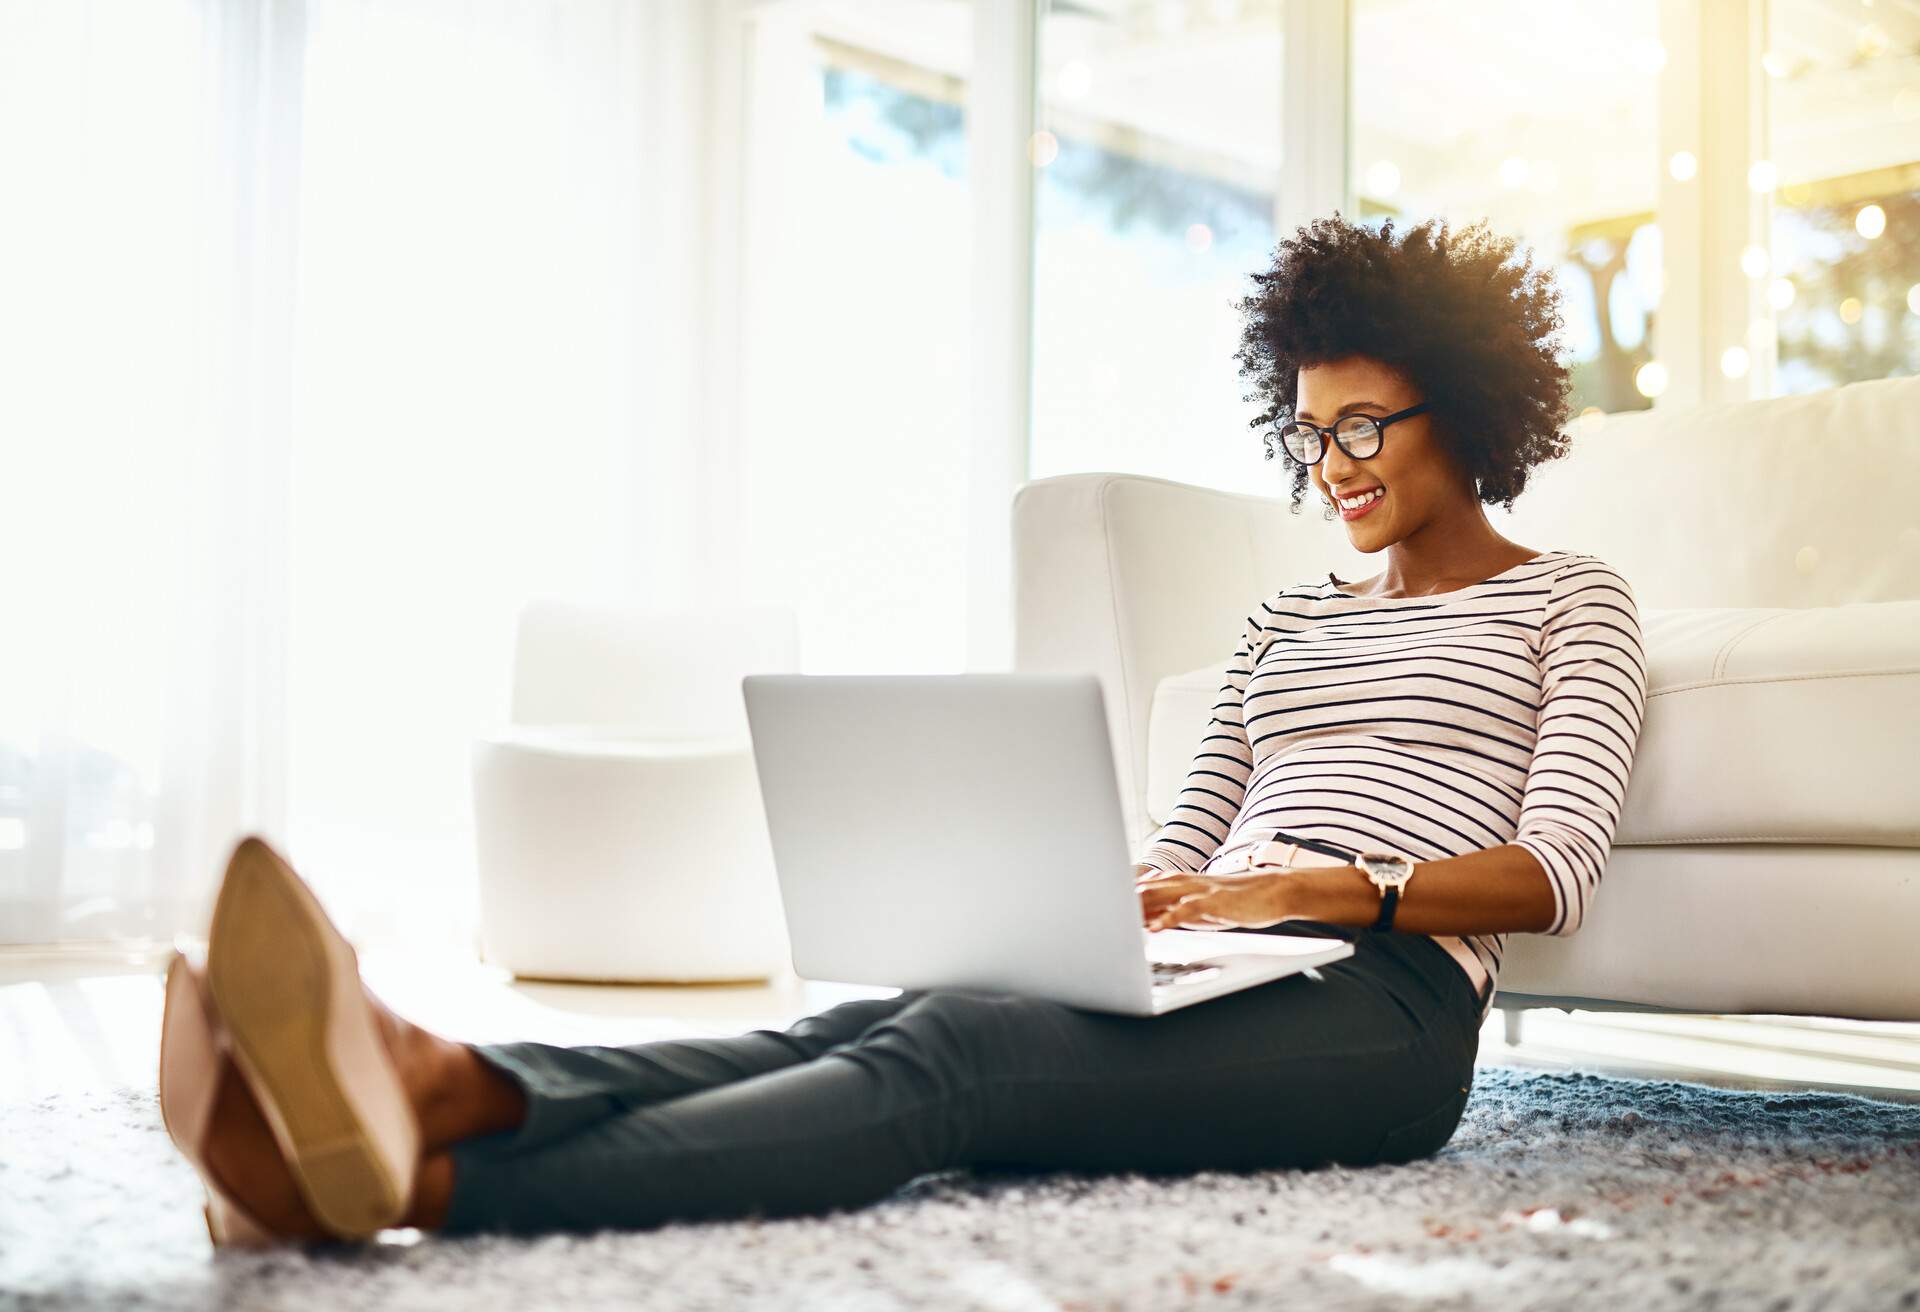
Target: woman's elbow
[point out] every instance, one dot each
(1565, 926)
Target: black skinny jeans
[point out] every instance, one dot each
(1370, 1063)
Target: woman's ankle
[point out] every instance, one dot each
(432, 1193)
(454, 1094)
(475, 1099)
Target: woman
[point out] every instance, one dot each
(1472, 709)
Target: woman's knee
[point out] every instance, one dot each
(960, 1034)
(844, 1022)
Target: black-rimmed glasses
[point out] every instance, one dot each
(1358, 435)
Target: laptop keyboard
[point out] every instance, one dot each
(1178, 972)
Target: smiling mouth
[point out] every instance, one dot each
(1374, 498)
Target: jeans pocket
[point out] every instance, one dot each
(1425, 1135)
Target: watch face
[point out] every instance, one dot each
(1385, 866)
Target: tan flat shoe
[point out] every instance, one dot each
(193, 1062)
(287, 986)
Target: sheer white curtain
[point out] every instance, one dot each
(142, 262)
(329, 333)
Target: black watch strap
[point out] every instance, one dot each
(1389, 902)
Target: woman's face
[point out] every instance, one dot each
(1410, 464)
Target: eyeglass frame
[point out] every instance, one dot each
(1329, 435)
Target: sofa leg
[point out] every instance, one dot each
(1511, 1015)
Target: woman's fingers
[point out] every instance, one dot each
(1161, 888)
(1158, 897)
(1221, 903)
(1197, 899)
(1159, 881)
(1178, 906)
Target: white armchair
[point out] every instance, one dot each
(619, 829)
(1768, 857)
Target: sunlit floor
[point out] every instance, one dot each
(78, 1022)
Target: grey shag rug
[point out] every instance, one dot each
(1559, 1190)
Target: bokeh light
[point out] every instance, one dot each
(1383, 178)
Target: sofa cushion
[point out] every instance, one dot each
(1764, 724)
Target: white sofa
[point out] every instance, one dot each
(1768, 857)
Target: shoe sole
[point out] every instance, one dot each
(189, 1057)
(190, 1070)
(288, 987)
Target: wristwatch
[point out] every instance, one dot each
(1389, 874)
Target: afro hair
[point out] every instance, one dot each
(1462, 316)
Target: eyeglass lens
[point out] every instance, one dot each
(1357, 433)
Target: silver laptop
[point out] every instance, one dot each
(965, 831)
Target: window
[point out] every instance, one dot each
(1843, 280)
(487, 362)
(1159, 160)
(115, 465)
(1541, 119)
(857, 362)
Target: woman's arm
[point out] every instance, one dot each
(1594, 665)
(1216, 782)
(1498, 890)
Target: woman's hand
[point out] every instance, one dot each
(1254, 900)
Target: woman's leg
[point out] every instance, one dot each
(1371, 1062)
(541, 1091)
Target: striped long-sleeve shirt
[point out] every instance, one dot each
(1504, 712)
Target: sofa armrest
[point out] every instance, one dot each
(1137, 578)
